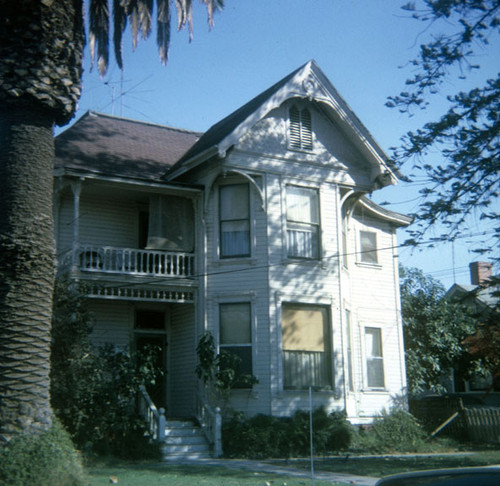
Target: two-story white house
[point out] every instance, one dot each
(259, 230)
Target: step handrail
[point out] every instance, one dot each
(210, 421)
(154, 417)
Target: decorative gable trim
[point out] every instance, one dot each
(307, 82)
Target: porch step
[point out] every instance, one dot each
(184, 440)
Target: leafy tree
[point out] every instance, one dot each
(466, 179)
(484, 344)
(434, 331)
(41, 49)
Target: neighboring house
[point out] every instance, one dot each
(482, 297)
(259, 230)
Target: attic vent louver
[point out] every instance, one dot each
(300, 129)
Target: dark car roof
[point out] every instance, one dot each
(472, 476)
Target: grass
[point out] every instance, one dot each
(145, 474)
(378, 466)
(190, 475)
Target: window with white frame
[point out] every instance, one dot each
(305, 346)
(374, 358)
(234, 220)
(303, 222)
(235, 336)
(300, 128)
(368, 247)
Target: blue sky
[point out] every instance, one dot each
(363, 46)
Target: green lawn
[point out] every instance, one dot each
(192, 475)
(384, 466)
(203, 475)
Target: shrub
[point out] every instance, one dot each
(93, 391)
(47, 458)
(264, 436)
(393, 431)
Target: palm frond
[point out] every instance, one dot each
(185, 15)
(119, 24)
(212, 6)
(145, 11)
(99, 34)
(163, 29)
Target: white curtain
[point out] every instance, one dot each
(171, 224)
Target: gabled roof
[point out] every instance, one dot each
(306, 82)
(485, 297)
(111, 146)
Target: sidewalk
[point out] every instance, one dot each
(263, 467)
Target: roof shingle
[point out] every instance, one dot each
(113, 146)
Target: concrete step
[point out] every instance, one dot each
(184, 440)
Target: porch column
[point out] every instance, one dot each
(76, 187)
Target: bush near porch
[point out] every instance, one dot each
(264, 436)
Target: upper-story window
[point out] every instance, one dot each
(302, 221)
(234, 219)
(300, 129)
(368, 247)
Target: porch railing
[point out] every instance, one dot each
(210, 420)
(108, 259)
(154, 418)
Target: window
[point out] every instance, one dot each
(302, 220)
(368, 247)
(234, 210)
(374, 359)
(235, 334)
(300, 129)
(306, 346)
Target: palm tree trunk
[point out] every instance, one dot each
(26, 268)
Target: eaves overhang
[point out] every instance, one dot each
(392, 217)
(135, 182)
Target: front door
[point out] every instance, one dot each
(150, 334)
